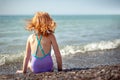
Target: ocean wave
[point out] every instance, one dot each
(102, 45)
(11, 58)
(65, 51)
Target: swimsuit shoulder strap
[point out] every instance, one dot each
(39, 45)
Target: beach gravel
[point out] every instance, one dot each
(102, 72)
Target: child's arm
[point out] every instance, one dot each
(57, 52)
(26, 58)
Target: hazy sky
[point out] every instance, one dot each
(60, 6)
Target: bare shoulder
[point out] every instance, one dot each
(52, 37)
(31, 37)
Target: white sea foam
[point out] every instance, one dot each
(10, 58)
(2, 60)
(102, 45)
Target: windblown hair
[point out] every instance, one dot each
(42, 23)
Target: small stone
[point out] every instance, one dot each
(103, 70)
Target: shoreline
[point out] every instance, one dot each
(101, 72)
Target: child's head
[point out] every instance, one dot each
(42, 23)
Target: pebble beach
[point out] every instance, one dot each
(101, 72)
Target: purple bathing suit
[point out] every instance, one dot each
(41, 64)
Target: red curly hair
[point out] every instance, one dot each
(42, 23)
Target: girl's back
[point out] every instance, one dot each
(45, 43)
(41, 60)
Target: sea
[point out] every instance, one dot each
(84, 40)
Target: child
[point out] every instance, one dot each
(38, 47)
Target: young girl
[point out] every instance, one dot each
(38, 47)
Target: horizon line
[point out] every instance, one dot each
(53, 14)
